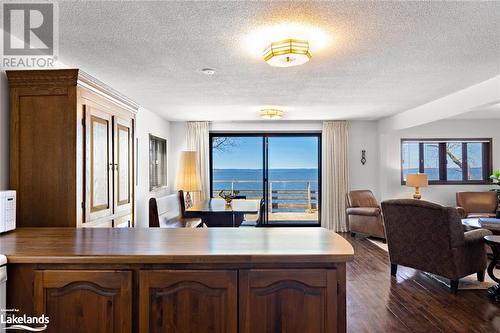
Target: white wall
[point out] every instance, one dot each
(266, 126)
(4, 132)
(362, 135)
(148, 123)
(389, 145)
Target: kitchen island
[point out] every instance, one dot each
(179, 280)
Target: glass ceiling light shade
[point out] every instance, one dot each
(287, 53)
(271, 114)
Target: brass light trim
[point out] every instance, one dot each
(271, 114)
(288, 52)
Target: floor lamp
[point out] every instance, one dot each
(188, 176)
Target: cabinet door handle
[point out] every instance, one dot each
(110, 166)
(116, 166)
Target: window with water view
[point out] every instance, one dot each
(279, 168)
(447, 161)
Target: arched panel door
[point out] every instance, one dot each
(288, 300)
(188, 301)
(85, 301)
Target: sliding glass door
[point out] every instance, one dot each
(282, 169)
(293, 174)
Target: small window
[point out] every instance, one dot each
(447, 161)
(157, 162)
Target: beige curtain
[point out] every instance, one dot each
(335, 175)
(197, 139)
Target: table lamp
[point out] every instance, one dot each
(417, 180)
(188, 176)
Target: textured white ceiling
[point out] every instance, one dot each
(385, 57)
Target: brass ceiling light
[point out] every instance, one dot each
(287, 53)
(271, 114)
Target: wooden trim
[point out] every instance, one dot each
(96, 86)
(68, 77)
(55, 77)
(341, 296)
(332, 302)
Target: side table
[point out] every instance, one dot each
(494, 243)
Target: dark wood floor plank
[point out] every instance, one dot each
(411, 302)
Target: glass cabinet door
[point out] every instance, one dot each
(100, 159)
(123, 164)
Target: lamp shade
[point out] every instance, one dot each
(188, 176)
(417, 180)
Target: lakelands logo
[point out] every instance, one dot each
(30, 37)
(10, 320)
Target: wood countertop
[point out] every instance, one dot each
(174, 246)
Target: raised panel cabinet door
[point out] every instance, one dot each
(99, 163)
(85, 301)
(188, 301)
(123, 163)
(288, 300)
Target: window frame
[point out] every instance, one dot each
(265, 135)
(164, 172)
(487, 159)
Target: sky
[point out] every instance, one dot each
(284, 153)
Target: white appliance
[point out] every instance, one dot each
(3, 287)
(7, 211)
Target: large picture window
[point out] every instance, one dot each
(447, 161)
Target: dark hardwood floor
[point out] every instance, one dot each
(411, 302)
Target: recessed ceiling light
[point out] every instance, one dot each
(208, 71)
(271, 113)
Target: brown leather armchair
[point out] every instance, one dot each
(364, 214)
(477, 204)
(429, 237)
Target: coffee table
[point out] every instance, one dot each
(473, 223)
(494, 242)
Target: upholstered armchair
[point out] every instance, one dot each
(477, 204)
(429, 237)
(364, 214)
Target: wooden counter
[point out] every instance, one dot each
(179, 280)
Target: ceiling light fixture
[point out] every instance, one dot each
(271, 114)
(287, 53)
(259, 39)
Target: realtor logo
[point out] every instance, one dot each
(29, 34)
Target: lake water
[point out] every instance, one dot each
(452, 173)
(296, 179)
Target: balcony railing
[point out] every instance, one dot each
(282, 200)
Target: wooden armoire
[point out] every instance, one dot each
(71, 150)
